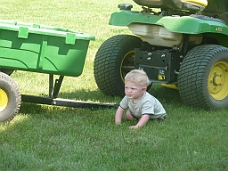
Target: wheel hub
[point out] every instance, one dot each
(218, 80)
(3, 100)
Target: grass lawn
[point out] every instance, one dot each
(49, 138)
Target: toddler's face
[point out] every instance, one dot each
(134, 91)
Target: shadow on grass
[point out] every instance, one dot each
(89, 95)
(166, 95)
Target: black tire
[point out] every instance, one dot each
(113, 60)
(203, 77)
(10, 98)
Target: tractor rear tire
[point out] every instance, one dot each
(203, 77)
(10, 98)
(113, 60)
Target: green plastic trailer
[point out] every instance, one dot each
(43, 49)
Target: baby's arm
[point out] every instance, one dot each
(143, 120)
(119, 114)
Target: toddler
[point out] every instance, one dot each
(140, 104)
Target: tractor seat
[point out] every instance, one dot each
(183, 5)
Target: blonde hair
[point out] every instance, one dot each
(138, 76)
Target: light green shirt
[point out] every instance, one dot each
(148, 104)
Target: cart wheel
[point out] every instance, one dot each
(203, 77)
(114, 59)
(10, 98)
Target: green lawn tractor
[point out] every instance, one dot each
(181, 44)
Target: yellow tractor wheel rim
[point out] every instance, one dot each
(3, 100)
(127, 64)
(200, 2)
(218, 80)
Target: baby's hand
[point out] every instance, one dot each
(134, 127)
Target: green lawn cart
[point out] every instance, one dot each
(180, 44)
(43, 49)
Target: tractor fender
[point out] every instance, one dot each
(193, 24)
